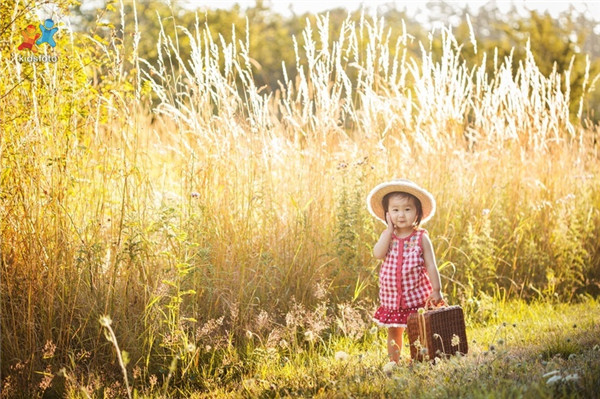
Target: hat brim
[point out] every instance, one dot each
(375, 198)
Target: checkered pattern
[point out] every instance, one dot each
(403, 279)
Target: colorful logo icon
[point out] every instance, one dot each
(47, 33)
(29, 37)
(32, 37)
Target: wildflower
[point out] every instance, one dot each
(571, 377)
(194, 194)
(47, 380)
(373, 330)
(455, 340)
(209, 329)
(350, 321)
(105, 321)
(554, 379)
(486, 211)
(421, 311)
(248, 334)
(234, 310)
(341, 356)
(262, 320)
(49, 349)
(551, 373)
(296, 315)
(500, 342)
(320, 291)
(309, 336)
(423, 351)
(318, 319)
(388, 368)
(190, 347)
(437, 336)
(572, 356)
(169, 340)
(153, 381)
(8, 386)
(274, 338)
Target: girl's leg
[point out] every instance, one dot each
(394, 343)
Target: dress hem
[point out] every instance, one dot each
(380, 324)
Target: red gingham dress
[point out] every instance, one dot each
(403, 281)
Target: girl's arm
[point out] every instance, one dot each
(383, 244)
(432, 270)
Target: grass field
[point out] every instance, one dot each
(530, 351)
(174, 230)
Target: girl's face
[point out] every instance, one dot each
(403, 212)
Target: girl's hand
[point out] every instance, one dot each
(390, 224)
(436, 298)
(380, 249)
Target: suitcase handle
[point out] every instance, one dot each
(429, 304)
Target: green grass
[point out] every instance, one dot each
(508, 358)
(531, 350)
(515, 356)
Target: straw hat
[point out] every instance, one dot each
(375, 198)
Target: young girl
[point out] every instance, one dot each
(409, 276)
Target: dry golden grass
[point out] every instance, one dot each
(220, 199)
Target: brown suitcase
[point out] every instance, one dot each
(438, 332)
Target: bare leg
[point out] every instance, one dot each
(394, 343)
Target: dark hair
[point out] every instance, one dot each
(386, 202)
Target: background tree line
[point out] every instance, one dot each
(568, 41)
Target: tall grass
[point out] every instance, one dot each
(226, 213)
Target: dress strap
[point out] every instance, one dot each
(419, 236)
